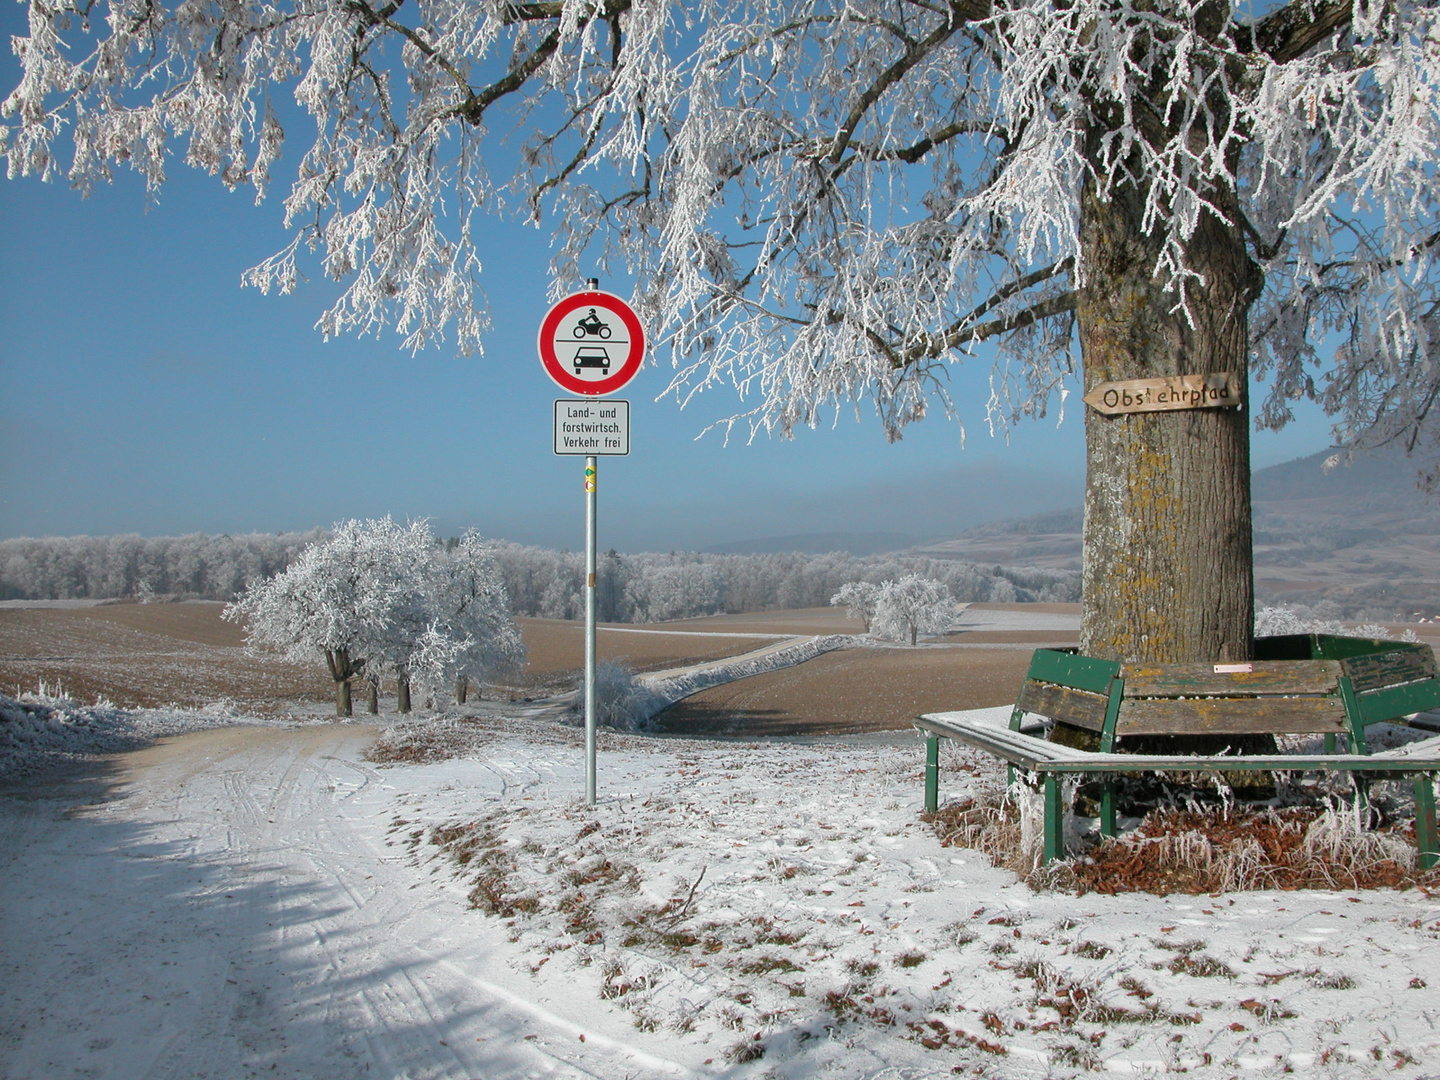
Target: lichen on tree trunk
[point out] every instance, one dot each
(1167, 570)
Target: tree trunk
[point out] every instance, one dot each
(402, 693)
(1167, 565)
(341, 670)
(373, 686)
(462, 690)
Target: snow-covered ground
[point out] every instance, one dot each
(264, 901)
(991, 620)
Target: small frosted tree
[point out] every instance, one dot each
(911, 606)
(339, 598)
(859, 598)
(472, 609)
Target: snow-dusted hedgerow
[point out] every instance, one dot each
(1282, 619)
(40, 729)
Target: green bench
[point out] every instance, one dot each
(1298, 684)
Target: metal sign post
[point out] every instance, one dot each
(591, 343)
(591, 483)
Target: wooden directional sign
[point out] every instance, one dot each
(1212, 391)
(591, 343)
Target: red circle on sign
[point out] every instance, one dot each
(591, 343)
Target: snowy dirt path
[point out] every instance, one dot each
(224, 904)
(262, 901)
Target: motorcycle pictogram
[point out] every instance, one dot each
(592, 325)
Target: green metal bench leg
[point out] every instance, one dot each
(1107, 807)
(1330, 744)
(1112, 715)
(932, 773)
(1426, 838)
(1054, 834)
(1353, 716)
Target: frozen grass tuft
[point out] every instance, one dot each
(424, 740)
(1196, 850)
(46, 728)
(1230, 849)
(745, 1051)
(1002, 827)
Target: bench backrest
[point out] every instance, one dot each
(1302, 684)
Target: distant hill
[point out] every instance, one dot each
(818, 543)
(1050, 541)
(1357, 540)
(1361, 537)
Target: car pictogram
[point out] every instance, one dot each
(591, 356)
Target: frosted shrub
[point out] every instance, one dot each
(622, 701)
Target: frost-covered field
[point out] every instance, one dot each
(266, 901)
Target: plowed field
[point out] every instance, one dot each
(184, 654)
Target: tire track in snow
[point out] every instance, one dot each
(265, 927)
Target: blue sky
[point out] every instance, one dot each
(145, 391)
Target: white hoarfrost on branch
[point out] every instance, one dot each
(820, 201)
(380, 594)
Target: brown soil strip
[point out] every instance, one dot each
(853, 691)
(160, 654)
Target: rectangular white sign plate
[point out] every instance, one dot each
(599, 426)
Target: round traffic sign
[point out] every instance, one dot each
(591, 343)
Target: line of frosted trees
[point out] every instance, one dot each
(108, 567)
(654, 587)
(378, 598)
(647, 587)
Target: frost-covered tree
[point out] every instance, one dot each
(674, 591)
(340, 597)
(910, 606)
(407, 630)
(377, 593)
(859, 599)
(826, 201)
(470, 609)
